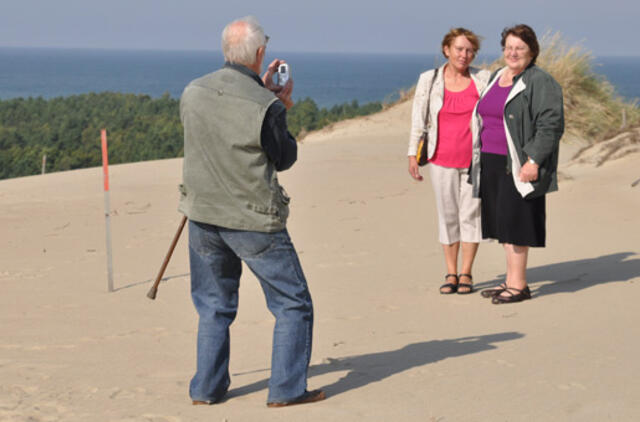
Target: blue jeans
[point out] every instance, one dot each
(215, 255)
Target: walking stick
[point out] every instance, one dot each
(154, 289)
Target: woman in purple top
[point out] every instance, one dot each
(522, 122)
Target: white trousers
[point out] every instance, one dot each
(458, 210)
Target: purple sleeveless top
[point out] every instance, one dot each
(491, 109)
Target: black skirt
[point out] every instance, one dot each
(506, 215)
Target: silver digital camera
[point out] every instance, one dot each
(283, 74)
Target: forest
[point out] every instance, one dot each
(67, 129)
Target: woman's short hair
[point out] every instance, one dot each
(455, 33)
(527, 35)
(241, 39)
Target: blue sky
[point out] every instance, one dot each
(402, 26)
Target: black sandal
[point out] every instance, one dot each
(452, 287)
(468, 287)
(523, 294)
(487, 293)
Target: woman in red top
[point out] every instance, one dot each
(451, 92)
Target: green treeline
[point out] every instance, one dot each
(305, 115)
(67, 129)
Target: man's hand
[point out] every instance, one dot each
(285, 94)
(414, 170)
(529, 172)
(267, 78)
(282, 92)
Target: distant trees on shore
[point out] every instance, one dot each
(67, 129)
(305, 116)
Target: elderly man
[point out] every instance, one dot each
(235, 142)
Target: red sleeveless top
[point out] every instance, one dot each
(454, 128)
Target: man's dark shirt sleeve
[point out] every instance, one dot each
(276, 141)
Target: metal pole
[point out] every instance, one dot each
(107, 208)
(44, 163)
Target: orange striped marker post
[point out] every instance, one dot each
(107, 207)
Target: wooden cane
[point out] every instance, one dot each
(154, 289)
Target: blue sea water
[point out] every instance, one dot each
(327, 78)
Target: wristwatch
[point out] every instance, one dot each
(531, 161)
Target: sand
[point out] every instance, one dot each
(387, 346)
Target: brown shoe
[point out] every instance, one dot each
(512, 297)
(495, 291)
(198, 402)
(307, 397)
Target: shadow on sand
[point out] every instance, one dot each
(162, 280)
(373, 367)
(571, 276)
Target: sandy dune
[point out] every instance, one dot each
(387, 346)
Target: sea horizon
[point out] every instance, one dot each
(329, 78)
(202, 50)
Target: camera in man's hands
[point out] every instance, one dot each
(283, 74)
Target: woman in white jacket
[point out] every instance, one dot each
(451, 93)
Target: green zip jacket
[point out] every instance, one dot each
(534, 123)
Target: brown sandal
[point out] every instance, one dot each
(451, 286)
(521, 295)
(487, 293)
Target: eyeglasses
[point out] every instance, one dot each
(266, 39)
(516, 49)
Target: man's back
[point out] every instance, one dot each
(228, 179)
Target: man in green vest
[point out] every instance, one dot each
(235, 142)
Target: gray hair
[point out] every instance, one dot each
(241, 39)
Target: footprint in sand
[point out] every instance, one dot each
(14, 407)
(572, 386)
(148, 417)
(505, 363)
(119, 393)
(388, 308)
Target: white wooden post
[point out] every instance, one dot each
(107, 208)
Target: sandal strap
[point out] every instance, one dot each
(512, 297)
(453, 287)
(511, 294)
(493, 291)
(465, 275)
(518, 291)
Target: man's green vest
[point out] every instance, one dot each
(228, 180)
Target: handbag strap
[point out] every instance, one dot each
(426, 119)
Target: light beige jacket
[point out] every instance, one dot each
(479, 76)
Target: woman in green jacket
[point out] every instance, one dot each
(515, 157)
